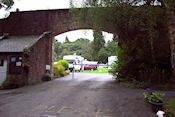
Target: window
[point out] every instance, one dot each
(1, 62)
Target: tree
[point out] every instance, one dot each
(85, 49)
(6, 15)
(6, 4)
(97, 44)
(67, 40)
(80, 46)
(110, 3)
(58, 47)
(103, 55)
(111, 47)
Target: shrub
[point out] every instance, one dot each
(46, 77)
(5, 83)
(136, 62)
(64, 63)
(59, 70)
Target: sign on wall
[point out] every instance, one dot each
(47, 67)
(15, 65)
(13, 59)
(18, 64)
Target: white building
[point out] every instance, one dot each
(111, 60)
(74, 61)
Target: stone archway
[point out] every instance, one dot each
(46, 24)
(54, 22)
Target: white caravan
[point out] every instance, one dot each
(74, 61)
(111, 60)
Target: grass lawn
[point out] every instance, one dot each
(99, 70)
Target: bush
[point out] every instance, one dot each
(64, 63)
(8, 85)
(135, 62)
(5, 83)
(46, 77)
(59, 70)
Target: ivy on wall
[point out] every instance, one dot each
(145, 48)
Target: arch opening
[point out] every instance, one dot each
(80, 43)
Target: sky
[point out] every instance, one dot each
(26, 5)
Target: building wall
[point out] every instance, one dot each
(39, 55)
(15, 80)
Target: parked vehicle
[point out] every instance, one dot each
(102, 66)
(111, 60)
(75, 62)
(90, 67)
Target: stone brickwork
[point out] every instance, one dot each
(39, 55)
(171, 26)
(17, 80)
(37, 22)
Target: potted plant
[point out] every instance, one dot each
(148, 93)
(46, 77)
(155, 99)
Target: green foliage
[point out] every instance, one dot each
(99, 70)
(5, 83)
(154, 96)
(135, 61)
(5, 36)
(144, 53)
(97, 44)
(83, 47)
(6, 15)
(58, 70)
(170, 105)
(47, 75)
(6, 4)
(64, 63)
(80, 47)
(170, 5)
(123, 60)
(103, 55)
(111, 47)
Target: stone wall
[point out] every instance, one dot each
(56, 22)
(171, 26)
(36, 22)
(39, 55)
(15, 80)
